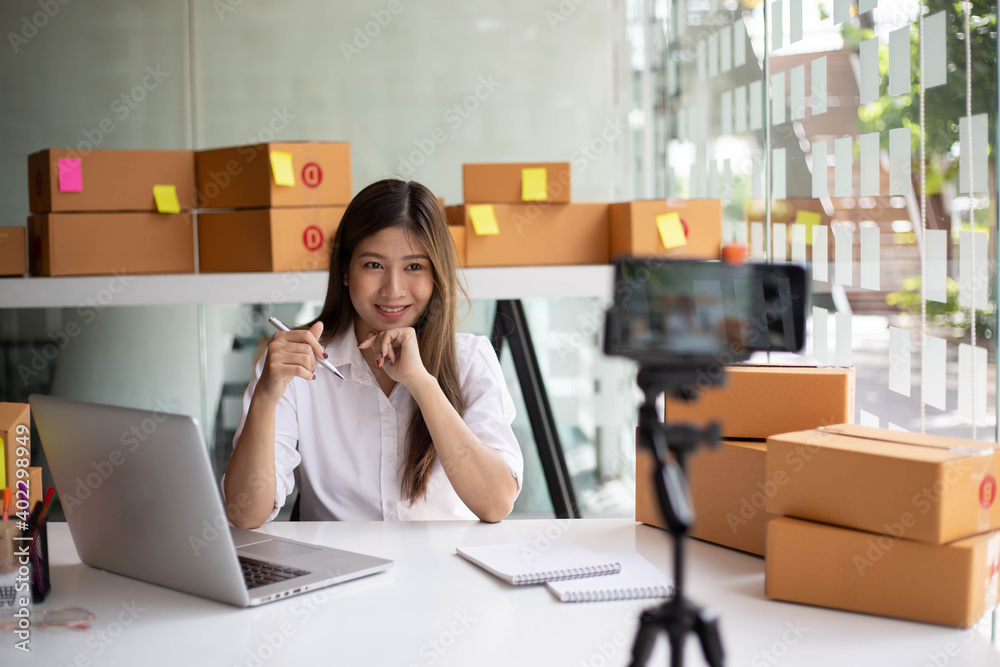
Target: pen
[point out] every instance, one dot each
(6, 503)
(279, 325)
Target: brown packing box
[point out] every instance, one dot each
(728, 489)
(241, 176)
(13, 251)
(634, 230)
(761, 400)
(77, 244)
(537, 235)
(500, 183)
(112, 180)
(458, 236)
(275, 239)
(922, 487)
(15, 431)
(829, 566)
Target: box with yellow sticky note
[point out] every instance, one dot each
(111, 180)
(532, 234)
(511, 183)
(275, 175)
(667, 228)
(79, 244)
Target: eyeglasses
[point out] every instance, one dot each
(74, 618)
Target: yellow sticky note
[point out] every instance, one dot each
(809, 219)
(671, 230)
(281, 167)
(534, 184)
(484, 220)
(166, 199)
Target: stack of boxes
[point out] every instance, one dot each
(730, 485)
(885, 522)
(284, 201)
(110, 211)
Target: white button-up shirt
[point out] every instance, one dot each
(343, 442)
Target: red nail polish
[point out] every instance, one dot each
(326, 356)
(314, 376)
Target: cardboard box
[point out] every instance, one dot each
(761, 400)
(501, 183)
(458, 236)
(243, 176)
(634, 230)
(15, 434)
(925, 487)
(13, 251)
(275, 239)
(537, 235)
(110, 180)
(729, 491)
(829, 566)
(77, 244)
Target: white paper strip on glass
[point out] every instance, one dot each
(866, 5)
(726, 111)
(777, 25)
(973, 270)
(779, 243)
(868, 419)
(727, 180)
(980, 142)
(936, 268)
(778, 100)
(897, 427)
(868, 66)
(778, 173)
(818, 85)
(740, 105)
(869, 186)
(739, 43)
(820, 341)
(934, 361)
(820, 260)
(843, 355)
(797, 91)
(900, 161)
(899, 360)
(843, 259)
(757, 248)
(671, 76)
(899, 61)
(726, 49)
(966, 388)
(935, 50)
(794, 21)
(843, 168)
(713, 55)
(820, 170)
(756, 105)
(702, 60)
(870, 251)
(799, 244)
(841, 10)
(713, 179)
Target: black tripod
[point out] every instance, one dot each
(671, 446)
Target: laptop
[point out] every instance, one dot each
(141, 501)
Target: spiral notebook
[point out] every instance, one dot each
(638, 579)
(538, 561)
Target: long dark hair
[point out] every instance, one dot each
(410, 205)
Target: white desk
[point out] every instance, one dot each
(434, 608)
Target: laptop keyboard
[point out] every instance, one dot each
(258, 573)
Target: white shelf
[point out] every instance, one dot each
(482, 283)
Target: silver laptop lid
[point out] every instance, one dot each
(139, 495)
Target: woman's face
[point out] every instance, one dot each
(391, 281)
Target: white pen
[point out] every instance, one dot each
(280, 326)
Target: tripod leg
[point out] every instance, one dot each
(707, 629)
(643, 640)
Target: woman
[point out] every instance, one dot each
(420, 429)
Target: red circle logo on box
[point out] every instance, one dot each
(312, 238)
(988, 491)
(312, 175)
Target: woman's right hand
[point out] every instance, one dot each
(290, 354)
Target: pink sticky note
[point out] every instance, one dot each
(70, 175)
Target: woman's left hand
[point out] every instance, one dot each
(397, 353)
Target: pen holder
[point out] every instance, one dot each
(38, 557)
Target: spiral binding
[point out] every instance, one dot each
(571, 573)
(620, 594)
